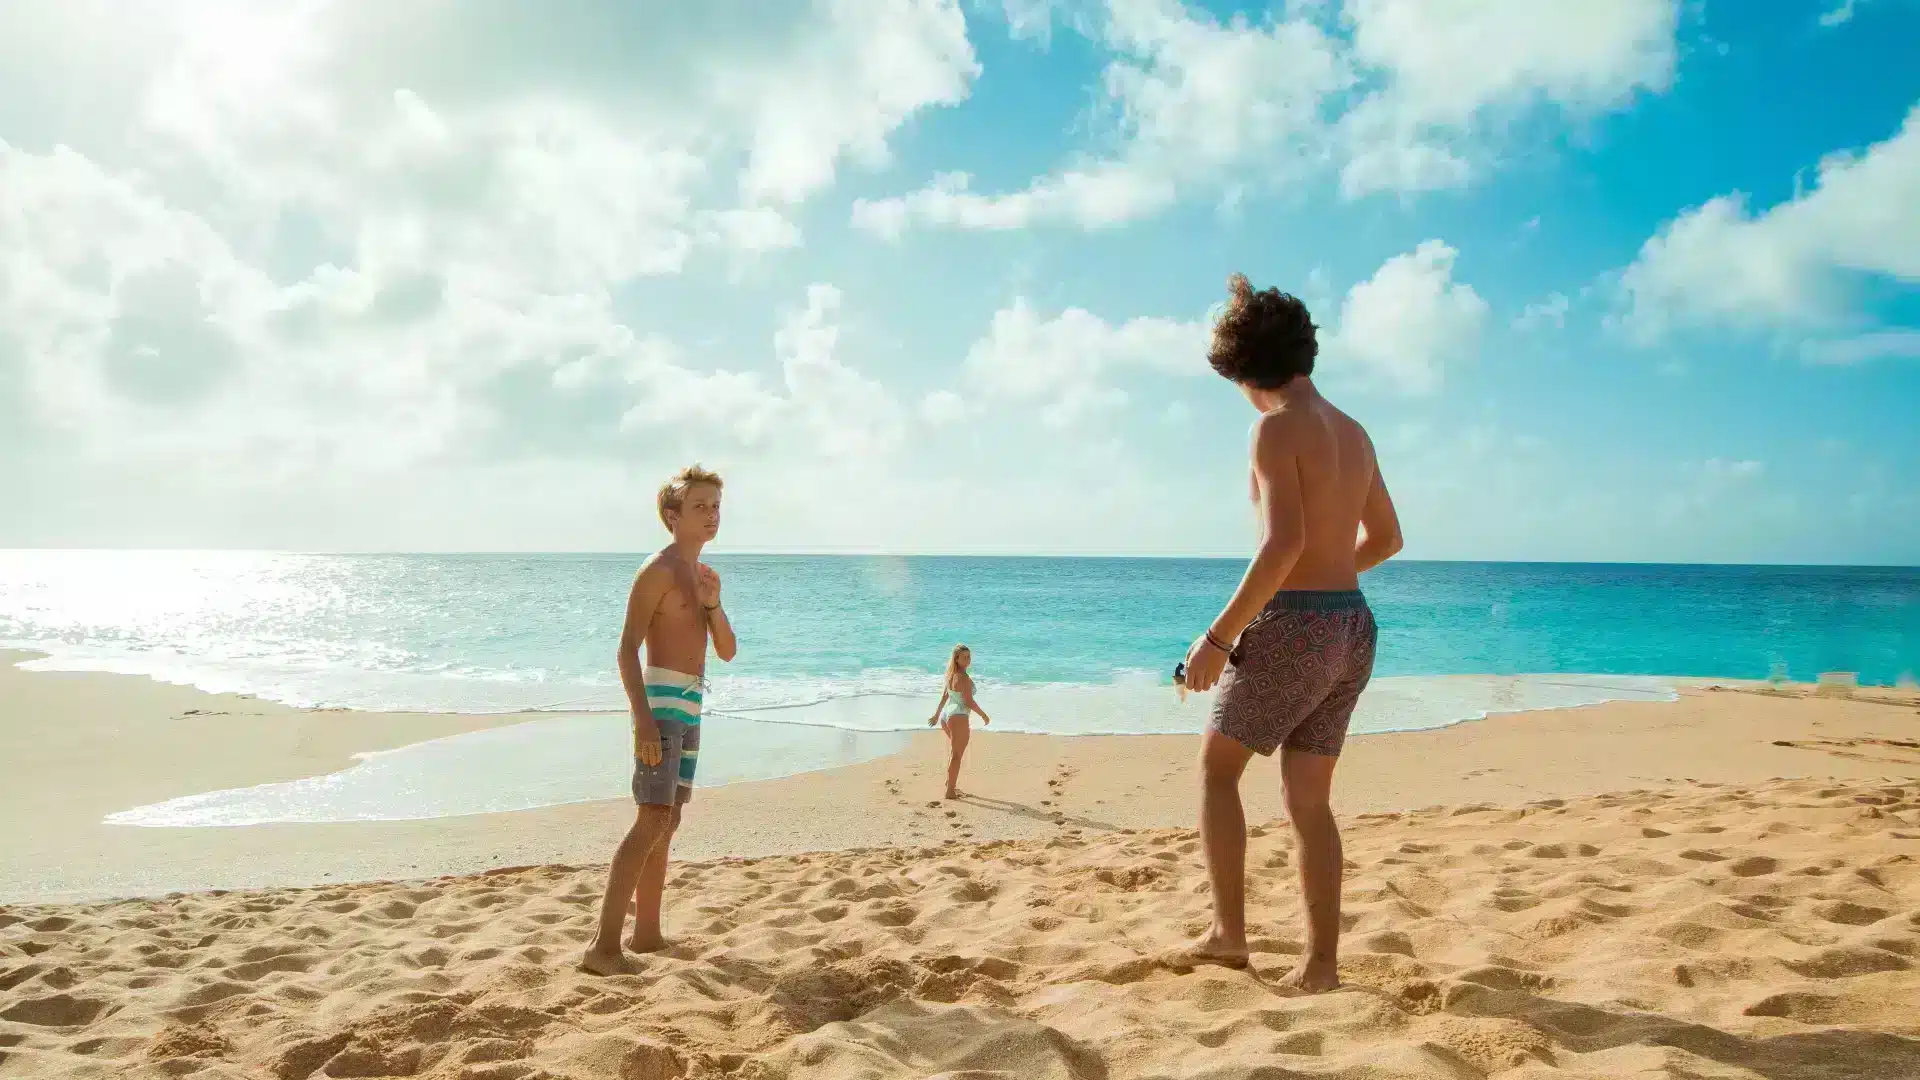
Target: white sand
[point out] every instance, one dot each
(1705, 921)
(1753, 931)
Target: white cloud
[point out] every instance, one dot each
(784, 95)
(1403, 327)
(849, 88)
(1785, 269)
(1206, 106)
(1101, 194)
(1384, 161)
(475, 191)
(841, 413)
(752, 229)
(1027, 20)
(1195, 99)
(1731, 469)
(943, 407)
(1449, 60)
(1903, 344)
(1450, 68)
(819, 409)
(1551, 311)
(1061, 363)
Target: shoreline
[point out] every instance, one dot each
(1149, 687)
(83, 745)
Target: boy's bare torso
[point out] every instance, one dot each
(677, 634)
(1336, 461)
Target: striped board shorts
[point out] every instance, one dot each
(673, 697)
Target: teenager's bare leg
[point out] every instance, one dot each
(647, 895)
(1309, 789)
(651, 825)
(957, 737)
(1223, 836)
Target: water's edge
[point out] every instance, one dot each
(583, 757)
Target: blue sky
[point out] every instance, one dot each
(1627, 281)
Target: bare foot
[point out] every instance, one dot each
(1211, 949)
(1314, 976)
(650, 944)
(603, 963)
(954, 793)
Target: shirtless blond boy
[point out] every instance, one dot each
(674, 606)
(1293, 648)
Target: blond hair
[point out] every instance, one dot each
(953, 660)
(675, 489)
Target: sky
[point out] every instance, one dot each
(1632, 281)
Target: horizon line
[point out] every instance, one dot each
(910, 554)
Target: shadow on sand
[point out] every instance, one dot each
(1035, 813)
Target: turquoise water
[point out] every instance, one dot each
(485, 632)
(855, 643)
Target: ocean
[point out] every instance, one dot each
(840, 655)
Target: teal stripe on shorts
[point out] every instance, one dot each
(681, 715)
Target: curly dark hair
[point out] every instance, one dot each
(1264, 338)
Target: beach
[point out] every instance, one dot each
(1722, 885)
(758, 541)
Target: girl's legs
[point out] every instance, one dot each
(957, 736)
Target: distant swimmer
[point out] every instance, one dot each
(1294, 647)
(956, 702)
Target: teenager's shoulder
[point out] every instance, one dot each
(654, 567)
(1276, 429)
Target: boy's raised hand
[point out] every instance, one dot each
(709, 585)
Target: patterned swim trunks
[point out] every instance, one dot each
(1297, 672)
(673, 697)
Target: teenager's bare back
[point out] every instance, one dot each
(1338, 475)
(1293, 648)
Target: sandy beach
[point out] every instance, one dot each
(1723, 886)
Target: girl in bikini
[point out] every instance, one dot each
(956, 701)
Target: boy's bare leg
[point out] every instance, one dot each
(650, 828)
(1223, 836)
(1309, 788)
(648, 894)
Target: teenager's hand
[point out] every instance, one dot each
(932, 720)
(985, 719)
(1205, 662)
(646, 740)
(709, 585)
